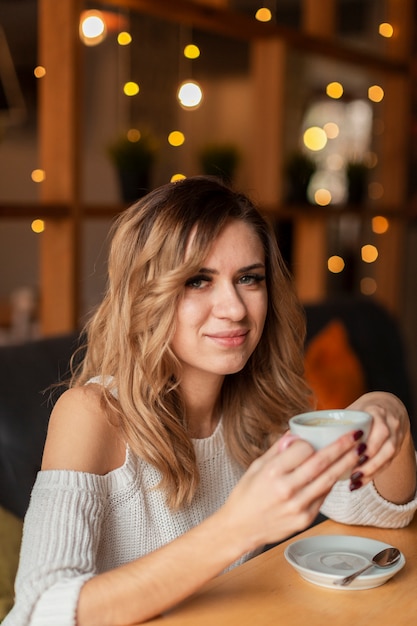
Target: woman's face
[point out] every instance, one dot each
(221, 315)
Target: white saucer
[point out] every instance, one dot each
(324, 559)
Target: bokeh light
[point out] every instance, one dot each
(386, 30)
(38, 175)
(322, 197)
(38, 226)
(189, 94)
(369, 253)
(263, 15)
(176, 138)
(124, 38)
(375, 93)
(191, 51)
(334, 90)
(315, 138)
(39, 71)
(380, 224)
(92, 27)
(131, 88)
(335, 264)
(368, 286)
(176, 177)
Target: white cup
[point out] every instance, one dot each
(320, 428)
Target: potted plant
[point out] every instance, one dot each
(299, 169)
(220, 160)
(133, 155)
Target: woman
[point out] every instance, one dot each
(168, 459)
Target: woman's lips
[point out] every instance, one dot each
(229, 339)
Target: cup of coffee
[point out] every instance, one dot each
(320, 428)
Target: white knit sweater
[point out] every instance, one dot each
(81, 524)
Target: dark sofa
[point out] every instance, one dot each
(28, 371)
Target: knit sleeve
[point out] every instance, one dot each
(366, 507)
(60, 538)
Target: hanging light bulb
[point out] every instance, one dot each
(93, 29)
(189, 95)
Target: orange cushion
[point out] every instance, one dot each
(332, 368)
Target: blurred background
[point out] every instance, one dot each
(309, 106)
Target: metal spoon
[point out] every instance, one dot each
(385, 558)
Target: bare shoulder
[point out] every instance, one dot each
(80, 436)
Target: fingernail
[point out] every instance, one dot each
(357, 484)
(362, 459)
(286, 441)
(356, 476)
(357, 435)
(361, 448)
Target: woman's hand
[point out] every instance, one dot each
(282, 491)
(390, 458)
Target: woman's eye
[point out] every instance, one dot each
(251, 279)
(197, 282)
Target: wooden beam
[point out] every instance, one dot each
(60, 155)
(237, 25)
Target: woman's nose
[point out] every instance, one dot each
(228, 303)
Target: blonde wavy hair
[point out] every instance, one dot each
(129, 337)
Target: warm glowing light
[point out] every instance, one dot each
(92, 28)
(331, 129)
(38, 226)
(176, 138)
(335, 264)
(191, 51)
(131, 88)
(39, 71)
(375, 93)
(189, 94)
(176, 177)
(38, 176)
(315, 138)
(133, 135)
(369, 253)
(263, 15)
(124, 38)
(375, 191)
(322, 197)
(386, 29)
(368, 286)
(334, 90)
(380, 224)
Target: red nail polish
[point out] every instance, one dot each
(361, 448)
(357, 484)
(362, 459)
(357, 434)
(356, 476)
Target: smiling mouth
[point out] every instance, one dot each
(230, 340)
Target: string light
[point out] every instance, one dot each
(38, 226)
(93, 29)
(131, 88)
(369, 253)
(335, 264)
(39, 71)
(176, 138)
(375, 93)
(380, 224)
(334, 90)
(386, 30)
(38, 175)
(191, 51)
(189, 94)
(263, 15)
(315, 138)
(124, 38)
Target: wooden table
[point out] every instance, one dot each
(267, 591)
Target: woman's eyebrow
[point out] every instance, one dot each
(247, 268)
